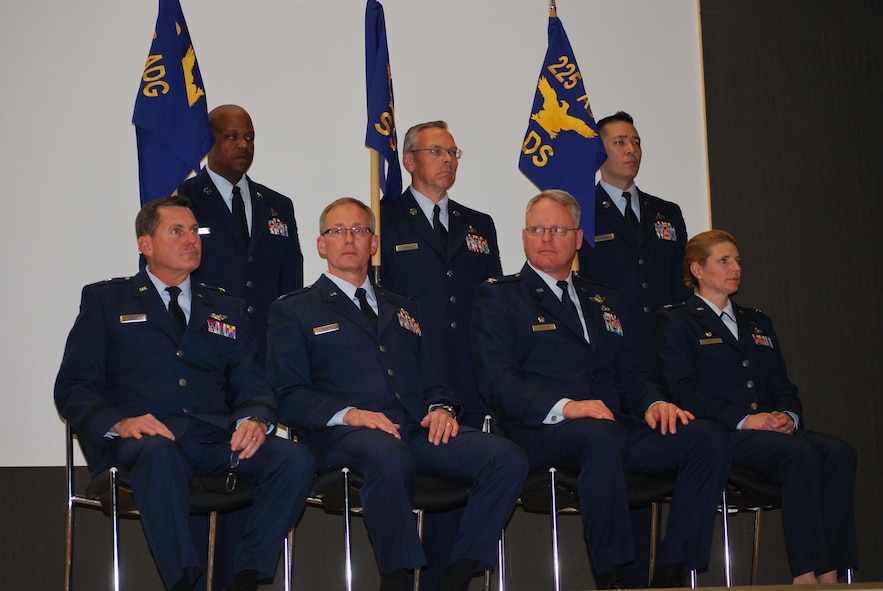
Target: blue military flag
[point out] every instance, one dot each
(381, 129)
(171, 119)
(562, 148)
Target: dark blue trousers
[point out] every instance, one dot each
(160, 470)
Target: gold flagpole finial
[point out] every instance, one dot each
(553, 10)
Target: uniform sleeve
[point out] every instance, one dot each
(80, 384)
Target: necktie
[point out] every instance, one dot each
(367, 310)
(629, 213)
(730, 323)
(568, 304)
(239, 213)
(439, 227)
(179, 321)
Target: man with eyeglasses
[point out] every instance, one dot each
(158, 379)
(356, 376)
(249, 233)
(554, 359)
(438, 251)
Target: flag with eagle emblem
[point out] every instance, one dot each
(381, 130)
(562, 148)
(171, 119)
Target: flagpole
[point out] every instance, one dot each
(375, 207)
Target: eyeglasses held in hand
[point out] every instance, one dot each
(559, 231)
(438, 151)
(231, 477)
(356, 231)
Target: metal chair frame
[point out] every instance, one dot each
(118, 504)
(747, 490)
(661, 493)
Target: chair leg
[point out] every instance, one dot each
(346, 529)
(212, 540)
(556, 556)
(421, 515)
(849, 576)
(287, 559)
(694, 579)
(115, 521)
(69, 544)
(755, 559)
(654, 532)
(501, 564)
(728, 573)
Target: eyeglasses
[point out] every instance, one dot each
(437, 151)
(230, 484)
(559, 231)
(356, 231)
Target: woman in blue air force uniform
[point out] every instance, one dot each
(724, 362)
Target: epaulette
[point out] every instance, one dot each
(114, 280)
(213, 288)
(672, 306)
(285, 296)
(504, 278)
(595, 283)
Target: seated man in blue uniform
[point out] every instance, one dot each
(554, 361)
(355, 375)
(159, 379)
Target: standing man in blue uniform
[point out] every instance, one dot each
(554, 359)
(639, 238)
(437, 252)
(355, 374)
(158, 378)
(249, 234)
(639, 250)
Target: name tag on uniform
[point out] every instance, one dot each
(409, 246)
(714, 341)
(604, 237)
(204, 231)
(326, 329)
(544, 327)
(130, 318)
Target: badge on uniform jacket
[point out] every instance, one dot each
(762, 340)
(221, 328)
(665, 231)
(612, 323)
(477, 243)
(408, 322)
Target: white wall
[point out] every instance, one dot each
(68, 158)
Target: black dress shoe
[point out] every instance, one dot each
(612, 579)
(669, 576)
(620, 584)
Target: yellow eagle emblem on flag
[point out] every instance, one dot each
(553, 116)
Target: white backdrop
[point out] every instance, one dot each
(69, 165)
